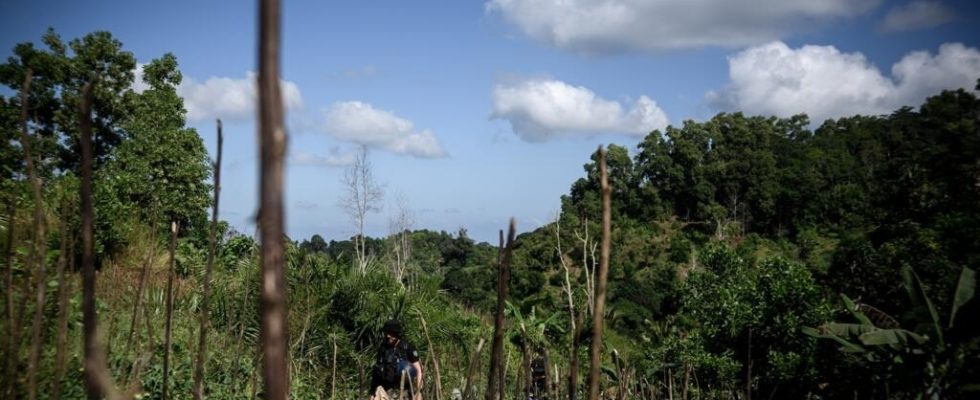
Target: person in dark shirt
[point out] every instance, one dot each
(396, 356)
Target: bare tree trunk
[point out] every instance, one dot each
(67, 252)
(10, 343)
(362, 195)
(39, 248)
(503, 277)
(98, 381)
(567, 287)
(474, 364)
(588, 249)
(202, 349)
(272, 135)
(168, 330)
(399, 226)
(600, 306)
(434, 357)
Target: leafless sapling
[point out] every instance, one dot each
(362, 195)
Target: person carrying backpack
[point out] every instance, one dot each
(395, 357)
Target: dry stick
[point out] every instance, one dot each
(573, 362)
(596, 346)
(333, 372)
(573, 351)
(168, 331)
(242, 322)
(255, 369)
(59, 358)
(144, 274)
(98, 381)
(202, 339)
(519, 384)
(501, 366)
(150, 346)
(108, 340)
(522, 382)
(433, 356)
(474, 363)
(495, 382)
(496, 348)
(360, 374)
(503, 372)
(10, 344)
(19, 322)
(150, 334)
(135, 386)
(557, 382)
(241, 330)
(549, 389)
(38, 250)
(141, 361)
(272, 138)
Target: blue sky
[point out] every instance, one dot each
(474, 112)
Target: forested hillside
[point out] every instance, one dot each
(751, 256)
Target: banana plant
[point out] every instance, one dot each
(942, 351)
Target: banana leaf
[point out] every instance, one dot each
(965, 290)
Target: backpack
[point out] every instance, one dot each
(386, 367)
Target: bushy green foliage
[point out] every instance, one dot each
(729, 237)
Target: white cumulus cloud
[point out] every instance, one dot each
(916, 15)
(334, 159)
(825, 83)
(597, 26)
(230, 98)
(540, 109)
(222, 97)
(361, 123)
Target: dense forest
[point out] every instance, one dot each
(751, 256)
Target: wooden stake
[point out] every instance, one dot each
(600, 306)
(494, 388)
(202, 349)
(168, 330)
(67, 252)
(272, 145)
(474, 362)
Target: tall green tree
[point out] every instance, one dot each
(161, 170)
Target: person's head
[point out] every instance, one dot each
(392, 331)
